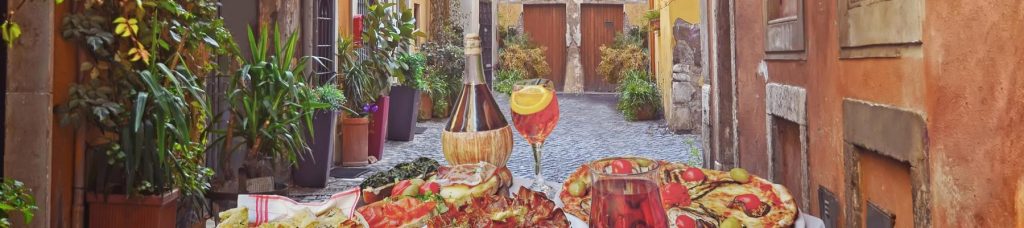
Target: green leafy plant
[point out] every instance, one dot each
(413, 67)
(521, 54)
(445, 62)
(270, 100)
(15, 197)
(388, 32)
(506, 79)
(637, 91)
(146, 61)
(625, 53)
(652, 15)
(361, 88)
(331, 96)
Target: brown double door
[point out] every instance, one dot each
(599, 23)
(545, 25)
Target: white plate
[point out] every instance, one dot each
(574, 222)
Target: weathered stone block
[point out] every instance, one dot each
(687, 49)
(29, 145)
(682, 92)
(682, 118)
(786, 101)
(685, 73)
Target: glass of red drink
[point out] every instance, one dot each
(535, 114)
(625, 193)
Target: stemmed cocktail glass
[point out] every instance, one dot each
(534, 114)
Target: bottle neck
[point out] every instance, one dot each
(474, 73)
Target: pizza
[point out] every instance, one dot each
(527, 209)
(693, 196)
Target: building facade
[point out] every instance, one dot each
(876, 113)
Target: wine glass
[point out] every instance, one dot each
(625, 193)
(534, 114)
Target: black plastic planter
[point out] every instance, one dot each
(405, 107)
(312, 169)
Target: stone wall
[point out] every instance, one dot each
(687, 81)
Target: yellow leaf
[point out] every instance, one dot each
(133, 21)
(119, 20)
(119, 29)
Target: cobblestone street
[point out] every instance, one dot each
(589, 128)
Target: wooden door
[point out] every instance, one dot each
(599, 23)
(545, 25)
(486, 42)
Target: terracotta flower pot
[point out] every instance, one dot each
(646, 113)
(426, 107)
(354, 141)
(114, 210)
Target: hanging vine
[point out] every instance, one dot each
(10, 30)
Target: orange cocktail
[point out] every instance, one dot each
(535, 114)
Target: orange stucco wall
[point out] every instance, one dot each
(965, 80)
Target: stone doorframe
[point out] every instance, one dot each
(573, 66)
(893, 133)
(789, 103)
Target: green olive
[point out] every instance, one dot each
(730, 223)
(740, 175)
(578, 188)
(642, 162)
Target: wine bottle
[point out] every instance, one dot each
(477, 130)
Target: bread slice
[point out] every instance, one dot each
(460, 194)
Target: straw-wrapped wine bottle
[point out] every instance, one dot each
(477, 130)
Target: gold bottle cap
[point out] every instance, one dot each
(472, 41)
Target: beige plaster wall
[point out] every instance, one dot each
(509, 15)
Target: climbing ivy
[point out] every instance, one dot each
(10, 30)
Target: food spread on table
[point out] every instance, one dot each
(335, 218)
(692, 196)
(422, 193)
(527, 209)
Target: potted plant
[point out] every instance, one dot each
(639, 98)
(625, 53)
(506, 79)
(445, 65)
(312, 171)
(654, 17)
(426, 105)
(270, 109)
(406, 97)
(387, 32)
(362, 90)
(142, 102)
(15, 198)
